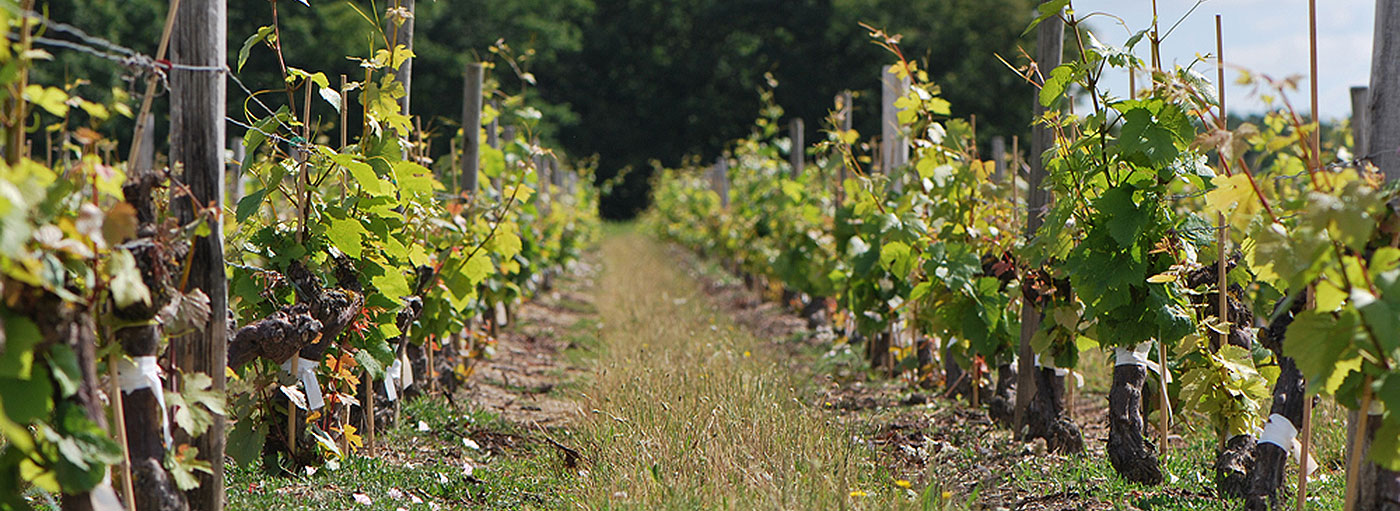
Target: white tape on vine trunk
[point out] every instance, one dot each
(1060, 371)
(142, 373)
(391, 380)
(501, 316)
(306, 372)
(1140, 355)
(406, 380)
(1281, 432)
(104, 498)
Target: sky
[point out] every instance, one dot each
(1263, 36)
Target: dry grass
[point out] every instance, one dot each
(684, 412)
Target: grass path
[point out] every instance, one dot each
(685, 410)
(672, 404)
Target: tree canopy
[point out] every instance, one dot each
(631, 81)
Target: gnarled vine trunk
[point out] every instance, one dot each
(1234, 463)
(1045, 417)
(1129, 451)
(1001, 407)
(1270, 458)
(140, 337)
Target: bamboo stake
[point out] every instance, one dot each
(292, 411)
(432, 382)
(342, 417)
(1358, 438)
(368, 408)
(1222, 238)
(344, 137)
(1132, 83)
(1317, 162)
(1220, 73)
(304, 183)
(1015, 174)
(151, 80)
(1164, 411)
(344, 111)
(119, 416)
(16, 139)
(1222, 235)
(1303, 455)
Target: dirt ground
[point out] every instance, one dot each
(919, 437)
(520, 381)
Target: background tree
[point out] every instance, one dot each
(633, 80)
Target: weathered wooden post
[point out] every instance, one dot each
(1360, 98)
(1383, 103)
(471, 128)
(894, 146)
(1049, 53)
(999, 157)
(146, 151)
(1378, 488)
(798, 152)
(197, 139)
(404, 36)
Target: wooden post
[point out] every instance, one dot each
(1359, 99)
(146, 152)
(1383, 110)
(798, 152)
(1382, 145)
(197, 134)
(404, 32)
(1049, 53)
(999, 156)
(894, 146)
(471, 128)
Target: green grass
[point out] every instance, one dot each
(684, 409)
(687, 412)
(429, 465)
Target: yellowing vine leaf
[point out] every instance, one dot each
(1234, 196)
